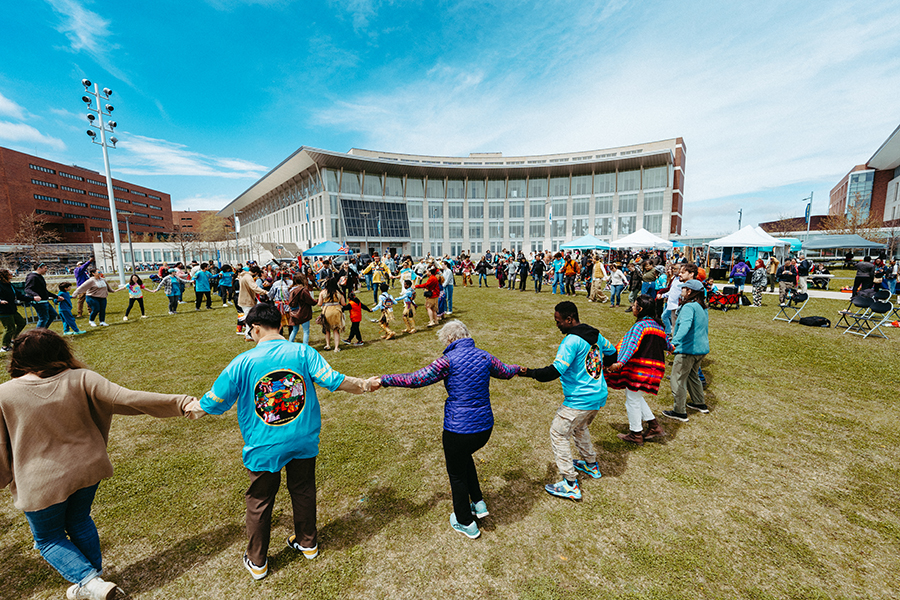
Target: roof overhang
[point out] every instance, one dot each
(887, 157)
(308, 159)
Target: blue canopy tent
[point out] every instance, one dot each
(328, 248)
(852, 242)
(587, 242)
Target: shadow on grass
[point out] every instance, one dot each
(159, 569)
(382, 506)
(25, 572)
(515, 500)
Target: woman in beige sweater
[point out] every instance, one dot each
(54, 426)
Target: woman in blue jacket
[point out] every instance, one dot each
(690, 337)
(468, 420)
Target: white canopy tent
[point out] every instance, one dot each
(587, 242)
(642, 239)
(748, 237)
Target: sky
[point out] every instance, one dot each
(774, 100)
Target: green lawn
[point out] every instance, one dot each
(787, 489)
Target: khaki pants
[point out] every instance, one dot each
(260, 497)
(80, 303)
(784, 287)
(571, 424)
(685, 380)
(597, 294)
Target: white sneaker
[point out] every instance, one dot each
(224, 304)
(92, 324)
(124, 318)
(143, 316)
(104, 323)
(95, 589)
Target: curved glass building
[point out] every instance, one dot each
(447, 205)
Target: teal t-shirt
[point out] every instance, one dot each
(201, 281)
(581, 371)
(278, 410)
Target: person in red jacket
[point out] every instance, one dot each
(432, 287)
(355, 306)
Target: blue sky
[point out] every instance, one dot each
(774, 100)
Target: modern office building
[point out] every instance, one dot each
(74, 200)
(448, 205)
(873, 188)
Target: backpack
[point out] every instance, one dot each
(815, 321)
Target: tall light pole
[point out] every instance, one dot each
(740, 215)
(237, 230)
(127, 214)
(808, 213)
(110, 126)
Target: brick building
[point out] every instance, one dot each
(74, 200)
(873, 188)
(190, 220)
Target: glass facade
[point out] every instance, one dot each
(859, 194)
(383, 219)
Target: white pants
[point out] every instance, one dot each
(802, 285)
(637, 410)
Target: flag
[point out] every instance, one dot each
(344, 248)
(808, 210)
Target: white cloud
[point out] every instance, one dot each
(201, 202)
(148, 156)
(85, 29)
(22, 133)
(8, 108)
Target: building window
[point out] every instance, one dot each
(43, 183)
(70, 176)
(629, 181)
(121, 189)
(604, 205)
(75, 203)
(414, 209)
(653, 223)
(456, 231)
(475, 247)
(476, 210)
(95, 182)
(604, 183)
(559, 186)
(137, 193)
(416, 231)
(517, 209)
(437, 248)
(627, 203)
(495, 231)
(73, 228)
(495, 210)
(476, 231)
(581, 185)
(579, 227)
(153, 207)
(47, 198)
(52, 213)
(154, 197)
(558, 208)
(456, 189)
(558, 228)
(656, 177)
(516, 231)
(581, 206)
(516, 188)
(536, 209)
(71, 189)
(496, 188)
(332, 180)
(98, 195)
(627, 225)
(455, 210)
(653, 201)
(435, 188)
(415, 187)
(537, 188)
(373, 185)
(42, 169)
(603, 226)
(536, 230)
(350, 183)
(435, 210)
(476, 189)
(393, 186)
(98, 207)
(102, 229)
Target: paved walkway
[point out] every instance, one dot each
(830, 294)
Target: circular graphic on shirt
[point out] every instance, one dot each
(279, 397)
(593, 362)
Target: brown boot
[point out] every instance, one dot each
(654, 430)
(635, 437)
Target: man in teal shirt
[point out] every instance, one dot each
(280, 419)
(202, 288)
(579, 365)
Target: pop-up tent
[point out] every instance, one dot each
(748, 237)
(587, 242)
(328, 248)
(642, 239)
(826, 242)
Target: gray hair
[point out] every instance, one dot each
(452, 331)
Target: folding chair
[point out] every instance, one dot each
(789, 311)
(879, 314)
(861, 305)
(863, 322)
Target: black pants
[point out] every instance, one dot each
(861, 283)
(198, 299)
(538, 281)
(458, 450)
(523, 280)
(570, 285)
(354, 332)
(260, 497)
(131, 302)
(173, 304)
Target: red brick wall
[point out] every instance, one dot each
(17, 197)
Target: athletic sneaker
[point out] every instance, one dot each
(68, 333)
(309, 553)
(143, 316)
(479, 509)
(357, 344)
(92, 324)
(104, 323)
(471, 530)
(256, 572)
(592, 469)
(124, 318)
(95, 589)
(4, 349)
(671, 414)
(698, 407)
(80, 331)
(564, 489)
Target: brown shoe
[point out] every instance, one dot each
(654, 430)
(390, 336)
(635, 437)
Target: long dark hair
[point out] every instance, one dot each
(646, 308)
(332, 285)
(697, 296)
(42, 352)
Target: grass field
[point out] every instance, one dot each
(787, 489)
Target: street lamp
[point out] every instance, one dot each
(808, 213)
(127, 214)
(96, 122)
(237, 230)
(365, 217)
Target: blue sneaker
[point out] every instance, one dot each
(564, 489)
(479, 509)
(471, 530)
(592, 469)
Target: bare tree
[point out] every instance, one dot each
(213, 228)
(182, 240)
(32, 236)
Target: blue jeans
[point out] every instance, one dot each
(68, 320)
(482, 277)
(369, 284)
(98, 307)
(296, 329)
(449, 292)
(558, 280)
(616, 296)
(892, 285)
(739, 283)
(667, 322)
(67, 538)
(646, 286)
(46, 314)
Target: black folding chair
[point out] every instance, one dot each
(789, 311)
(859, 305)
(863, 322)
(879, 314)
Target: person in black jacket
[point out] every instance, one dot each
(36, 289)
(13, 322)
(482, 269)
(865, 275)
(537, 272)
(523, 272)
